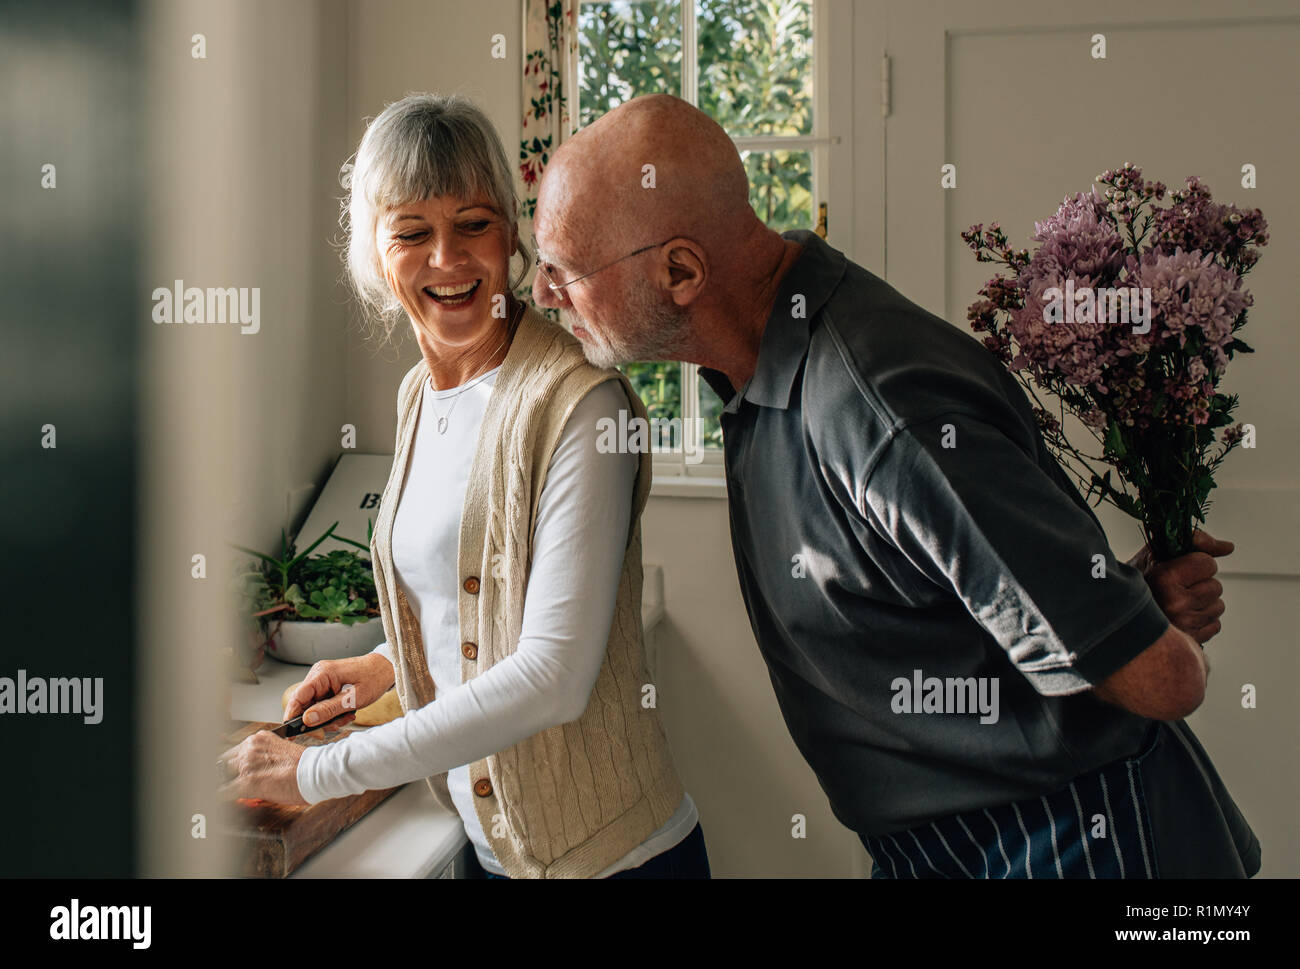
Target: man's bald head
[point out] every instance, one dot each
(660, 176)
(596, 187)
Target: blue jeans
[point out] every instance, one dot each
(688, 859)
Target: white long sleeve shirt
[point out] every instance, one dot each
(582, 524)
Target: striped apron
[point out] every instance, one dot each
(1097, 826)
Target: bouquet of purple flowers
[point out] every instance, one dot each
(1132, 335)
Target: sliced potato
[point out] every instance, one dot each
(386, 708)
(284, 697)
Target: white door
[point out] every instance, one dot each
(1009, 92)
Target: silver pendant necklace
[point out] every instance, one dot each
(444, 418)
(474, 380)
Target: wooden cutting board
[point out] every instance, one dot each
(273, 839)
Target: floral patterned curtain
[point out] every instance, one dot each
(549, 97)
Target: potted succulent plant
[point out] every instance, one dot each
(312, 607)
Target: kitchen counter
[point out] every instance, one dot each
(409, 835)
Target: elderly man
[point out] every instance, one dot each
(981, 687)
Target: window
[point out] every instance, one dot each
(749, 64)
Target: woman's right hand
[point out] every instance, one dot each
(322, 695)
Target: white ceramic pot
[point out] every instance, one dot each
(298, 641)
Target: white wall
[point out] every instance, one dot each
(728, 738)
(397, 47)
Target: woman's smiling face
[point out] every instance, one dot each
(446, 259)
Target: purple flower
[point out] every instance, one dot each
(1190, 291)
(1190, 266)
(1196, 222)
(1078, 238)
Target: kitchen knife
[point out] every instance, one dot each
(290, 728)
(294, 727)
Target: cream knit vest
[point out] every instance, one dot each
(573, 799)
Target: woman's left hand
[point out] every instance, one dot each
(264, 766)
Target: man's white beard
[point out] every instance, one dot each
(594, 348)
(653, 332)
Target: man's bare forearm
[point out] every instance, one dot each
(1166, 681)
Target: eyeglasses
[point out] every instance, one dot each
(550, 272)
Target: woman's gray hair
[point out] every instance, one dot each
(421, 146)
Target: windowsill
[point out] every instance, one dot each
(683, 486)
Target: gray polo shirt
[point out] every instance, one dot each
(931, 594)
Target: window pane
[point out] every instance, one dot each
(626, 49)
(755, 65)
(780, 188)
(659, 385)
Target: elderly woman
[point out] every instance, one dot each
(507, 549)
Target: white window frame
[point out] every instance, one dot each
(673, 476)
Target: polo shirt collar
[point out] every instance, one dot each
(814, 275)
